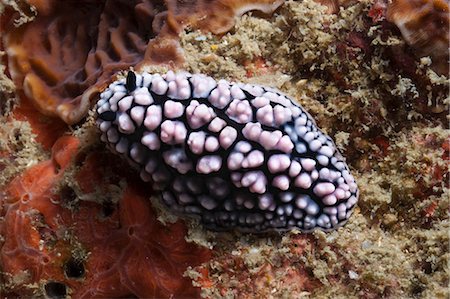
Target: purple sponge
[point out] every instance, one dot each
(236, 155)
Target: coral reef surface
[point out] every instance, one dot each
(370, 83)
(71, 49)
(72, 227)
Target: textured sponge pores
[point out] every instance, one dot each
(239, 156)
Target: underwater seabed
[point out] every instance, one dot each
(77, 221)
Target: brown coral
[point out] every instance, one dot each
(72, 48)
(97, 250)
(47, 129)
(214, 16)
(424, 25)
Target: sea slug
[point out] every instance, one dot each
(239, 156)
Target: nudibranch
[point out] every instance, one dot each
(238, 156)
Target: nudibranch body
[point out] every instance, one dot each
(239, 156)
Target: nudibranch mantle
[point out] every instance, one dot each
(238, 156)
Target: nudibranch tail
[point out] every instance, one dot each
(238, 156)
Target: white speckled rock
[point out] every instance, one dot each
(238, 156)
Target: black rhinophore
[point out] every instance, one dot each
(131, 81)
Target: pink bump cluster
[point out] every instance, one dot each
(239, 156)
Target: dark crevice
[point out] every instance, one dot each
(74, 268)
(55, 290)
